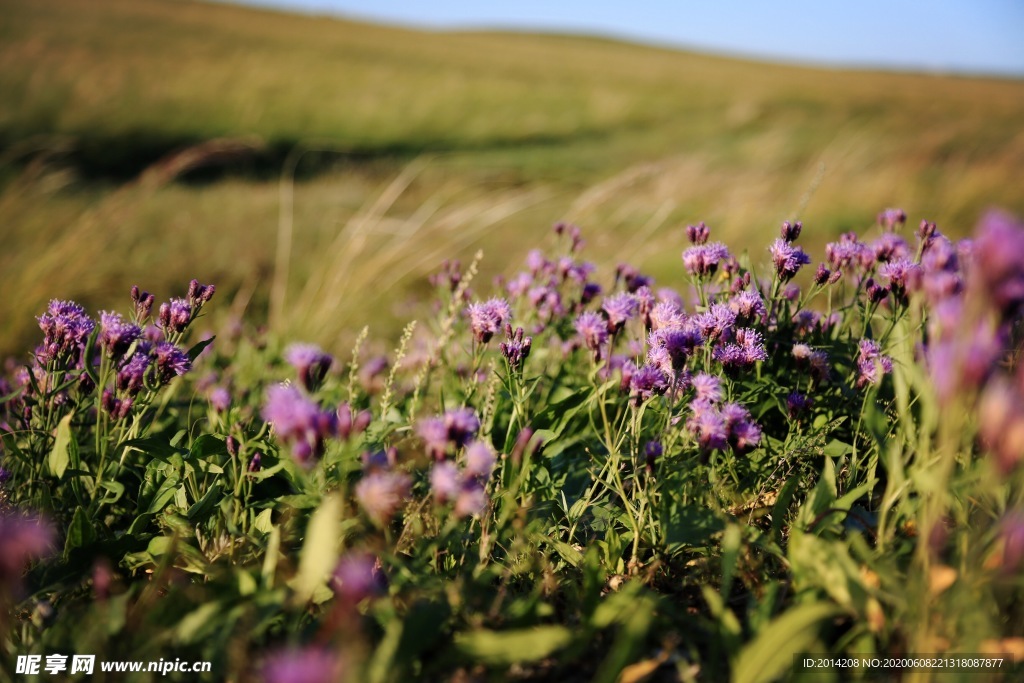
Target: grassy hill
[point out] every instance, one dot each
(428, 144)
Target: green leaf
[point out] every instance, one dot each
(320, 551)
(689, 526)
(263, 521)
(60, 456)
(497, 648)
(201, 510)
(198, 348)
(771, 653)
(198, 623)
(80, 532)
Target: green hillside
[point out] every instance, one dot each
(497, 136)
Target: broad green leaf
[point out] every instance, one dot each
(320, 551)
(198, 348)
(771, 653)
(60, 456)
(80, 532)
(202, 508)
(197, 623)
(263, 521)
(504, 648)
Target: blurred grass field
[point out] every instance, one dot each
(409, 147)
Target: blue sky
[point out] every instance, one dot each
(984, 36)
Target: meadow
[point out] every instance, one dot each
(477, 356)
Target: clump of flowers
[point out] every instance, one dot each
(311, 363)
(486, 318)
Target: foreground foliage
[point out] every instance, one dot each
(631, 483)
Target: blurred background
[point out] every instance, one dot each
(315, 158)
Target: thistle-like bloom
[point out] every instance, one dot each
(823, 275)
(22, 539)
(351, 423)
(357, 577)
(790, 231)
(515, 348)
(670, 348)
(707, 388)
(175, 315)
(998, 261)
(666, 315)
(748, 306)
(847, 252)
(131, 376)
(797, 404)
(310, 362)
(299, 421)
(703, 260)
(198, 294)
(434, 433)
(716, 323)
(117, 408)
(698, 234)
(890, 246)
(619, 308)
(708, 426)
(593, 329)
(462, 425)
(871, 363)
(486, 318)
(900, 272)
(381, 494)
(445, 481)
(471, 501)
(647, 382)
(890, 219)
(480, 461)
(65, 327)
(171, 361)
(143, 302)
(788, 259)
(116, 335)
(312, 664)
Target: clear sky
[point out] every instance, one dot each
(973, 36)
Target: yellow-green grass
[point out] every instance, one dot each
(497, 136)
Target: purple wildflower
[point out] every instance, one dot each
(65, 327)
(471, 501)
(22, 539)
(175, 315)
(117, 408)
(435, 436)
(890, 219)
(198, 294)
(536, 262)
(847, 252)
(671, 347)
(310, 362)
(381, 494)
(748, 306)
(619, 308)
(790, 231)
(519, 285)
(594, 331)
(143, 302)
(707, 388)
(647, 382)
(703, 260)
(170, 361)
(357, 577)
(254, 462)
(708, 426)
(823, 275)
(449, 276)
(998, 260)
(652, 451)
(131, 376)
(116, 335)
(480, 460)
(890, 246)
(666, 315)
(716, 323)
(900, 273)
(797, 404)
(698, 234)
(445, 481)
(871, 364)
(486, 318)
(515, 348)
(462, 425)
(787, 258)
(306, 665)
(299, 421)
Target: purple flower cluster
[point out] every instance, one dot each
(382, 493)
(516, 348)
(646, 382)
(357, 576)
(467, 487)
(116, 336)
(175, 316)
(65, 327)
(670, 347)
(619, 308)
(871, 363)
(593, 330)
(486, 318)
(702, 260)
(747, 349)
(22, 539)
(454, 429)
(716, 427)
(312, 664)
(303, 424)
(310, 362)
(788, 259)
